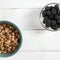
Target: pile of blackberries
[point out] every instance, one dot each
(51, 16)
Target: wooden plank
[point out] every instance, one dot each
(40, 40)
(50, 56)
(25, 18)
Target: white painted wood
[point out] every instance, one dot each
(25, 3)
(37, 44)
(25, 18)
(40, 40)
(50, 56)
(24, 56)
(34, 38)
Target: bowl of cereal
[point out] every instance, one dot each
(10, 39)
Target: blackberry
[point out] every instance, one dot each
(55, 27)
(47, 25)
(57, 17)
(51, 16)
(56, 7)
(58, 25)
(53, 22)
(48, 13)
(59, 12)
(44, 13)
(47, 8)
(51, 8)
(53, 11)
(58, 21)
(46, 20)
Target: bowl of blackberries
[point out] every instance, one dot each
(50, 17)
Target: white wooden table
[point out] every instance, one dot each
(38, 43)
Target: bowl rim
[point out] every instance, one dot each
(19, 46)
(40, 17)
